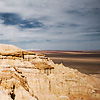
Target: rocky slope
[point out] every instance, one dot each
(25, 75)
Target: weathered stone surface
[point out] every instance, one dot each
(4, 96)
(32, 76)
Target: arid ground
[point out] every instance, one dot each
(87, 62)
(26, 75)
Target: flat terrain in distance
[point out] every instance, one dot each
(87, 62)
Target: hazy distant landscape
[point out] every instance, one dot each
(87, 62)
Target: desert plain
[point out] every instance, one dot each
(87, 62)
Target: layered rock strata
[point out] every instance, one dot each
(25, 75)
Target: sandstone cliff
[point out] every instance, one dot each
(25, 75)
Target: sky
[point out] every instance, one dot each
(50, 24)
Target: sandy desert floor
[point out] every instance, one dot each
(87, 62)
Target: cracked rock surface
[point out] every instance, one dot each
(25, 75)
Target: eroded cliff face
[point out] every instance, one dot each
(25, 75)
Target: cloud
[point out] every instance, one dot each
(50, 24)
(15, 19)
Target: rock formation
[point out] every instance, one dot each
(25, 75)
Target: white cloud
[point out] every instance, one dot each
(1, 21)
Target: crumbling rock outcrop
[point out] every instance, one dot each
(25, 75)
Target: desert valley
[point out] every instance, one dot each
(87, 62)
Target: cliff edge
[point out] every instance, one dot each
(25, 75)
